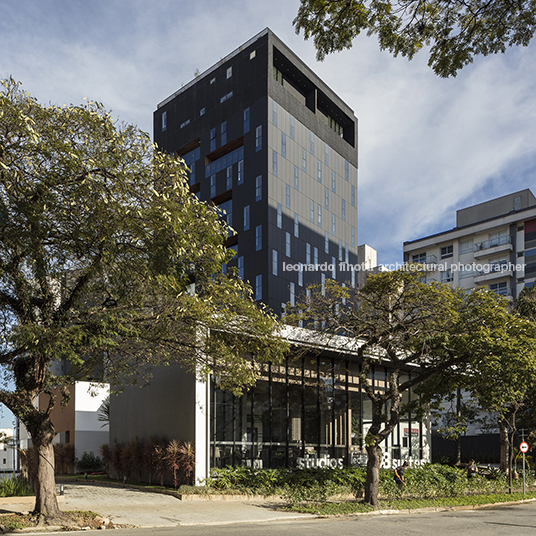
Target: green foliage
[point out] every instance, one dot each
(88, 462)
(109, 262)
(454, 31)
(15, 487)
(315, 487)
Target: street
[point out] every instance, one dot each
(498, 521)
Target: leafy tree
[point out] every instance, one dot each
(455, 30)
(503, 373)
(410, 326)
(109, 264)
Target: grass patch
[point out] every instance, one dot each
(354, 507)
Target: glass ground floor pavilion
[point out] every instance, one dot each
(310, 411)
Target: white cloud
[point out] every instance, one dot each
(426, 145)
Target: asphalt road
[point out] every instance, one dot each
(512, 520)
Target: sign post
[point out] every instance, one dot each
(524, 447)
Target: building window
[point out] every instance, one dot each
(292, 128)
(446, 276)
(333, 182)
(315, 255)
(212, 139)
(258, 138)
(296, 225)
(312, 144)
(274, 113)
(300, 276)
(319, 174)
(212, 80)
(212, 185)
(246, 120)
(240, 261)
(258, 287)
(287, 195)
(258, 188)
(326, 198)
(466, 246)
(500, 288)
(225, 97)
(229, 72)
(279, 216)
(353, 196)
(226, 211)
(346, 254)
(283, 145)
(333, 268)
(252, 54)
(446, 252)
(419, 258)
(287, 244)
(187, 122)
(201, 112)
(353, 237)
(312, 211)
(224, 133)
(246, 218)
(340, 250)
(274, 262)
(296, 178)
(229, 177)
(326, 243)
(304, 161)
(240, 172)
(274, 162)
(258, 238)
(326, 154)
(343, 210)
(164, 121)
(346, 170)
(292, 295)
(319, 221)
(307, 253)
(333, 225)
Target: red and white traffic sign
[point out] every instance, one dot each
(524, 447)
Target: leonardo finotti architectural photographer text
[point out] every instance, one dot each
(439, 267)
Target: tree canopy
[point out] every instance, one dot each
(109, 264)
(424, 334)
(454, 30)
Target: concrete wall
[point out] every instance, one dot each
(165, 408)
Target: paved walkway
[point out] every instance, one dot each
(132, 507)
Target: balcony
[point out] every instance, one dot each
(493, 246)
(493, 271)
(425, 260)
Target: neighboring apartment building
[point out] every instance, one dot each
(8, 452)
(493, 245)
(276, 149)
(77, 424)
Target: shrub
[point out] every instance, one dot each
(88, 462)
(15, 487)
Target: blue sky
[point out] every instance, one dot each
(427, 146)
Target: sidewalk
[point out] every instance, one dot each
(136, 508)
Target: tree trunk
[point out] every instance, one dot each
(372, 484)
(42, 432)
(504, 445)
(459, 418)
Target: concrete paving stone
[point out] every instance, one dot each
(132, 507)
